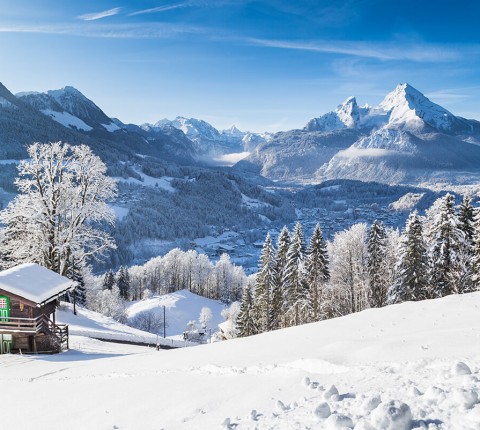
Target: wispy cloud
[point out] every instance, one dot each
(189, 3)
(379, 51)
(161, 8)
(100, 15)
(117, 31)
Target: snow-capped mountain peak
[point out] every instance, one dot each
(233, 131)
(348, 112)
(409, 107)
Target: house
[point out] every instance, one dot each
(28, 299)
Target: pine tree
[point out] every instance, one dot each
(264, 285)
(475, 263)
(75, 273)
(447, 239)
(246, 325)
(277, 319)
(123, 282)
(376, 251)
(108, 280)
(316, 271)
(296, 293)
(412, 267)
(466, 218)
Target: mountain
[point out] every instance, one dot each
(71, 108)
(210, 142)
(405, 139)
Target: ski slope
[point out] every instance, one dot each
(413, 365)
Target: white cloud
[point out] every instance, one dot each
(116, 31)
(161, 9)
(99, 15)
(379, 51)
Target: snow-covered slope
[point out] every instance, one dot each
(97, 326)
(408, 366)
(180, 308)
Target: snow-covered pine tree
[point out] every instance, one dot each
(376, 251)
(277, 319)
(412, 268)
(264, 285)
(109, 280)
(447, 239)
(297, 307)
(246, 325)
(123, 282)
(316, 272)
(475, 263)
(464, 263)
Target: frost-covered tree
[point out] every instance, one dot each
(446, 241)
(376, 253)
(264, 285)
(466, 251)
(230, 314)
(297, 308)
(348, 258)
(412, 268)
(123, 282)
(246, 324)
(317, 273)
(54, 220)
(277, 308)
(205, 316)
(466, 219)
(108, 280)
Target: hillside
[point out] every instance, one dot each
(423, 354)
(181, 307)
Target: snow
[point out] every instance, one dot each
(396, 365)
(91, 324)
(4, 103)
(67, 119)
(111, 127)
(407, 202)
(33, 282)
(409, 106)
(252, 203)
(149, 181)
(180, 308)
(120, 212)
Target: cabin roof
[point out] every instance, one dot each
(34, 282)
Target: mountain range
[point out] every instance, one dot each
(405, 139)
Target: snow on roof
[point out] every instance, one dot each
(33, 282)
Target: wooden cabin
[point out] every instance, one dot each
(29, 295)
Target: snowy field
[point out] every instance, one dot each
(97, 326)
(413, 365)
(180, 308)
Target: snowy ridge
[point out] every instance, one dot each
(410, 107)
(209, 141)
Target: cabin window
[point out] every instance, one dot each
(21, 307)
(4, 308)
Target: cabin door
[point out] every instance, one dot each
(4, 308)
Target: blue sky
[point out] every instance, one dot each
(262, 65)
